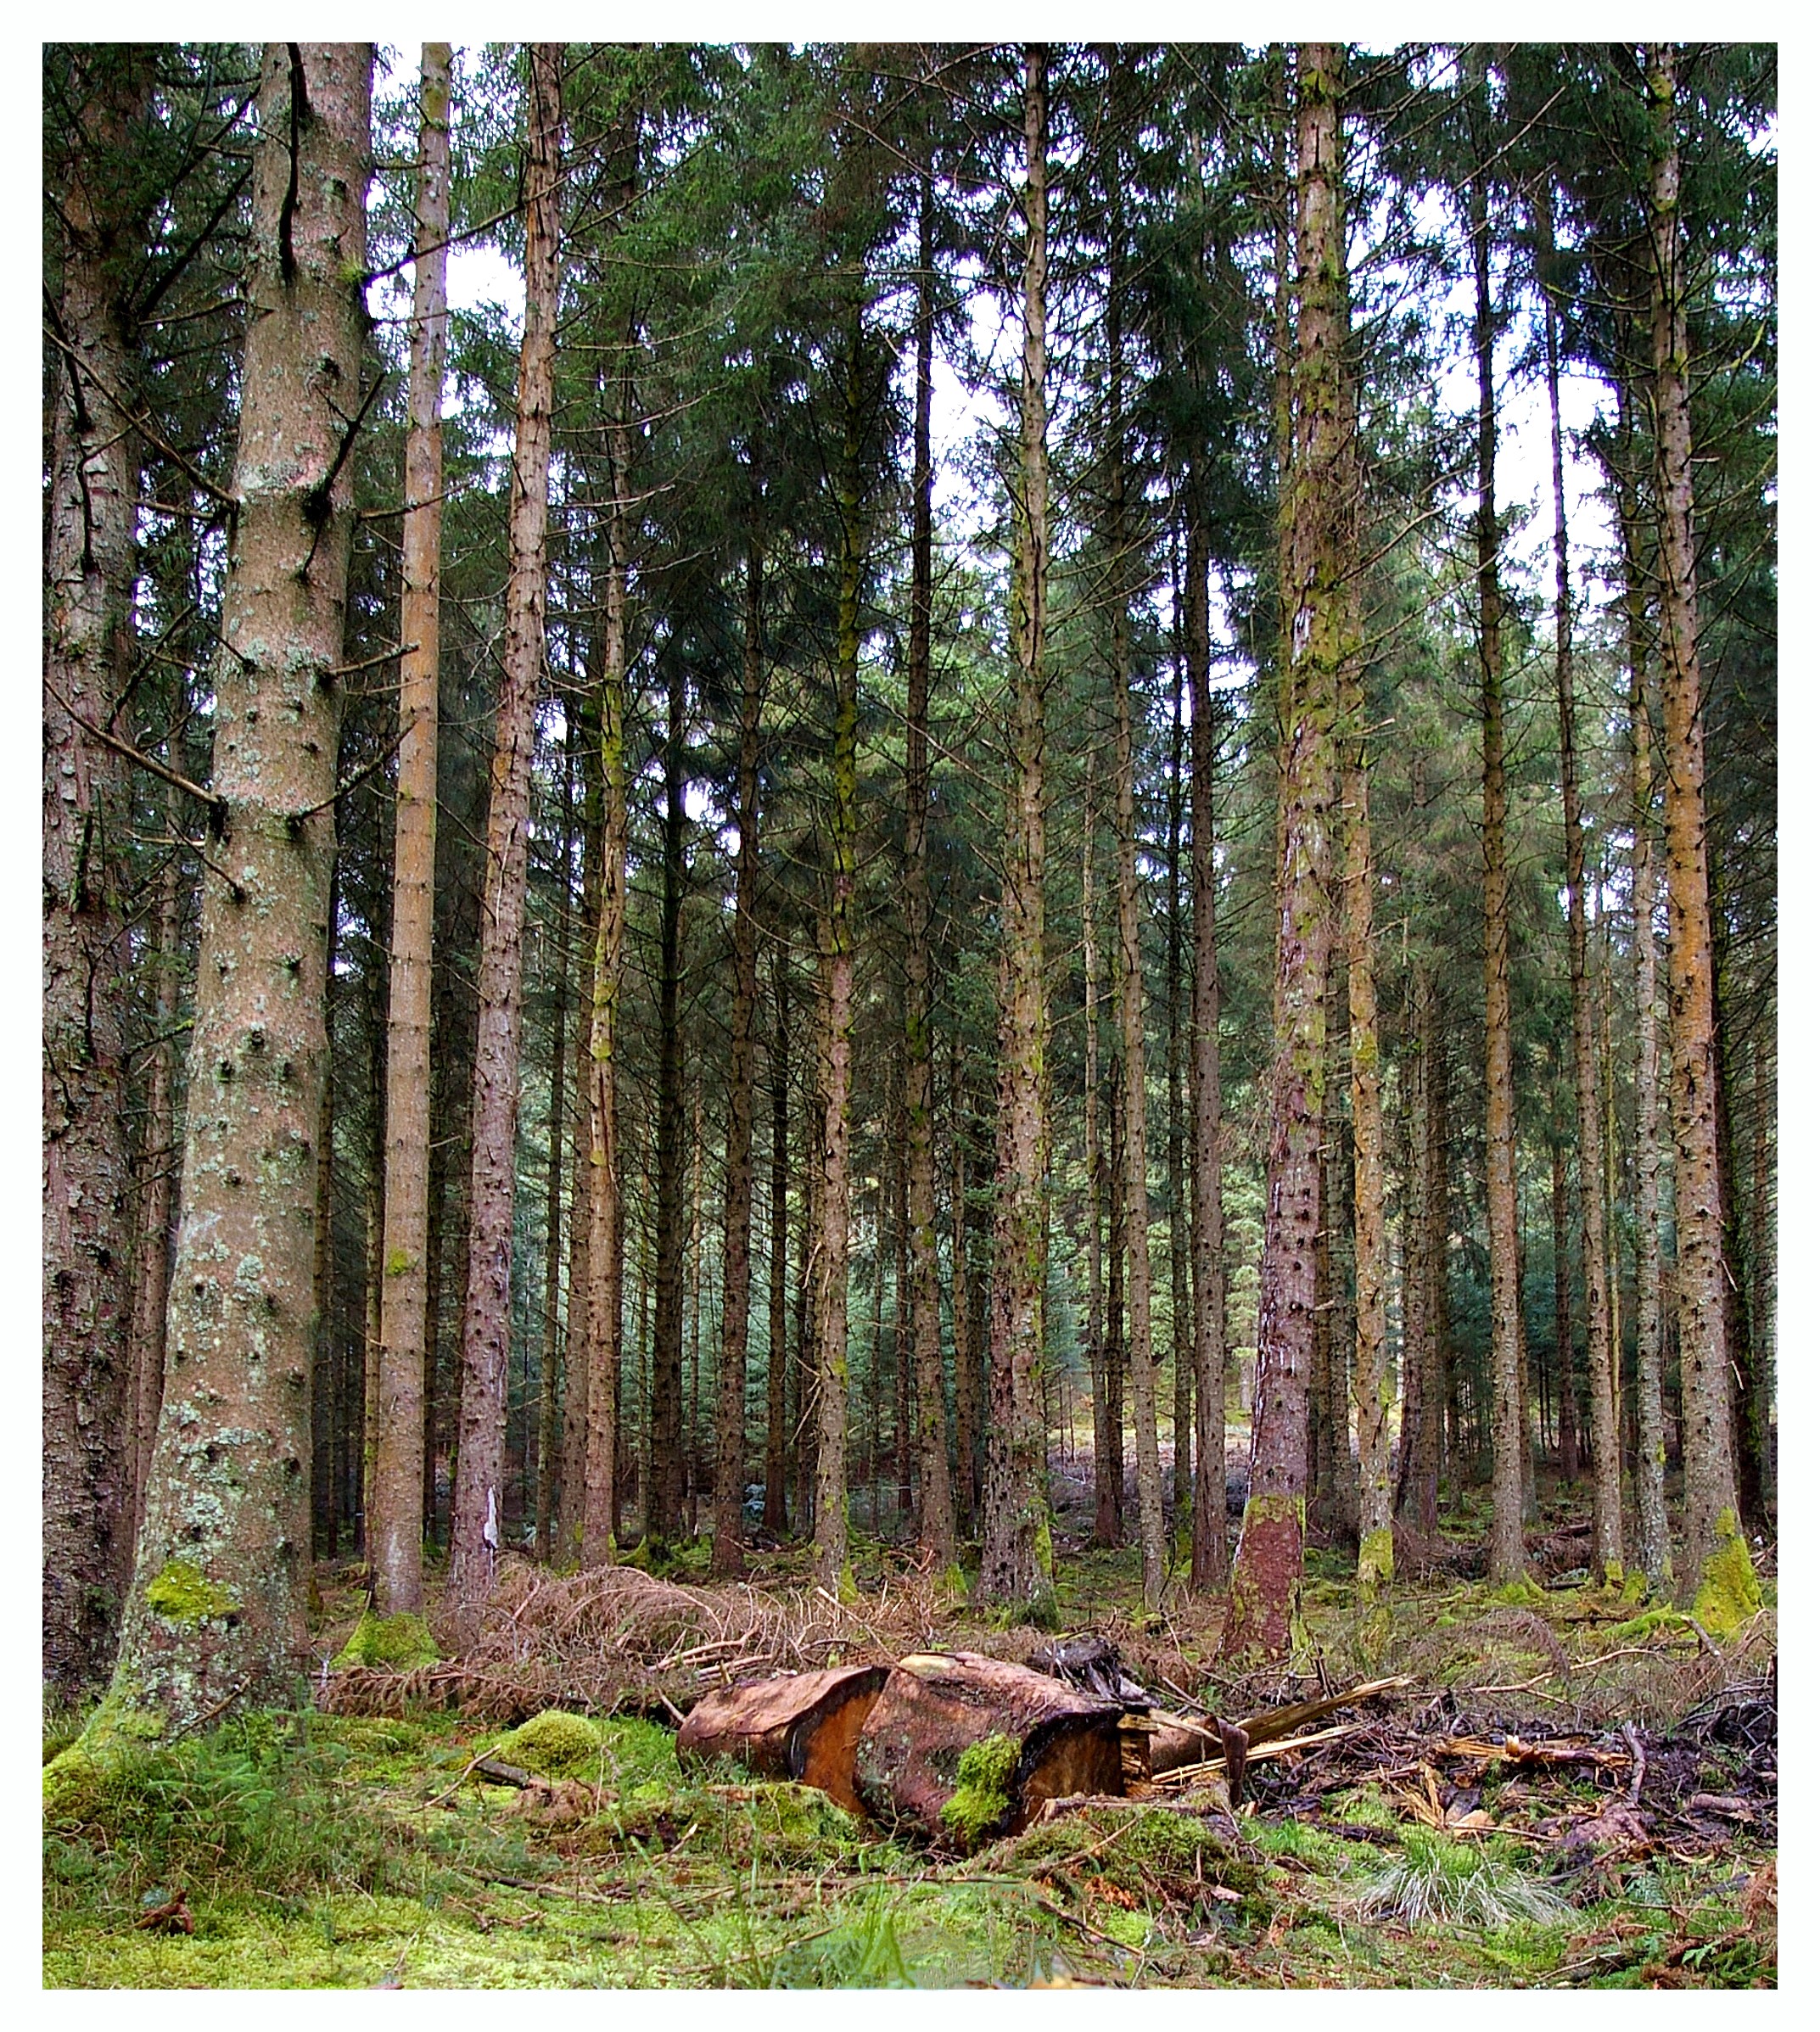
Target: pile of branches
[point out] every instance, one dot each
(615, 1638)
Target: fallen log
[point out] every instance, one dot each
(969, 1748)
(803, 1726)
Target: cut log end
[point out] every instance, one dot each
(968, 1747)
(804, 1725)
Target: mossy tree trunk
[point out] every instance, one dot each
(1106, 1525)
(217, 1608)
(395, 1529)
(666, 1486)
(480, 1452)
(1012, 1564)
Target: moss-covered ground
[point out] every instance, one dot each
(325, 1850)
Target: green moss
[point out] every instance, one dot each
(1520, 1594)
(1636, 1587)
(181, 1593)
(404, 1641)
(1376, 1562)
(1728, 1595)
(397, 1262)
(555, 1744)
(982, 1794)
(1647, 1624)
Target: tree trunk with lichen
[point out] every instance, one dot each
(395, 1530)
(90, 1457)
(1014, 1559)
(1263, 1613)
(1712, 1526)
(216, 1609)
(480, 1455)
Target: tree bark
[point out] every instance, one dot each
(1135, 1182)
(968, 1437)
(1210, 1557)
(90, 1454)
(1505, 1553)
(1263, 1613)
(480, 1454)
(1712, 1493)
(216, 1609)
(729, 1422)
(158, 1168)
(663, 1501)
(1014, 1562)
(548, 1465)
(1181, 1324)
(1608, 1539)
(1651, 1450)
(1371, 1394)
(935, 1492)
(395, 1530)
(777, 1352)
(1105, 1506)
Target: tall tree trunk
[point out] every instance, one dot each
(807, 1426)
(1651, 1451)
(1106, 1506)
(480, 1460)
(325, 1484)
(777, 1351)
(1712, 1493)
(1505, 1553)
(900, 1338)
(1371, 1392)
(395, 1528)
(157, 1196)
(1115, 1303)
(1264, 1613)
(1608, 1539)
(663, 1501)
(1181, 1325)
(967, 1397)
(730, 1423)
(1564, 1315)
(1014, 1561)
(1135, 1182)
(935, 1493)
(1419, 1445)
(90, 1455)
(216, 1610)
(831, 1293)
(548, 1465)
(1208, 1565)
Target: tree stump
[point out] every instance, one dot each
(802, 1726)
(970, 1748)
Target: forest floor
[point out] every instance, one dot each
(1616, 1826)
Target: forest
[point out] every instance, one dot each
(910, 1009)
